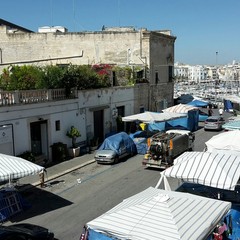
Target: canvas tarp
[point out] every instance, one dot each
(158, 214)
(232, 125)
(219, 170)
(15, 167)
(115, 141)
(190, 122)
(150, 117)
(180, 108)
(198, 103)
(229, 140)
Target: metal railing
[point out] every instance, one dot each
(35, 96)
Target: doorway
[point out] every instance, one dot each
(39, 140)
(120, 123)
(98, 125)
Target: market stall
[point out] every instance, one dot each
(159, 215)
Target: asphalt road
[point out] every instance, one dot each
(76, 198)
(70, 201)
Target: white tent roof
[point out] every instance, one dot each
(232, 125)
(161, 215)
(180, 108)
(224, 141)
(149, 117)
(15, 167)
(219, 170)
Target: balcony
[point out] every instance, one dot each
(8, 98)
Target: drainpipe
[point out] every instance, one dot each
(0, 56)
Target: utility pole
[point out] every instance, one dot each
(216, 77)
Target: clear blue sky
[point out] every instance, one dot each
(202, 27)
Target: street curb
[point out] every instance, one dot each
(35, 184)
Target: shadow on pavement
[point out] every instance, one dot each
(38, 201)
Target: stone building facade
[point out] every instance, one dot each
(153, 51)
(93, 111)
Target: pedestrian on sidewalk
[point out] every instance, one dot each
(42, 177)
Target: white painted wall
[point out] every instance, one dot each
(75, 112)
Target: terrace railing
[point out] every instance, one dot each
(34, 96)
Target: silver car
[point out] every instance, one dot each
(109, 156)
(214, 123)
(114, 148)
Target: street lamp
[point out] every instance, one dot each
(216, 59)
(216, 77)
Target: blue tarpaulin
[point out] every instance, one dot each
(140, 139)
(228, 105)
(188, 123)
(113, 143)
(93, 235)
(198, 103)
(185, 98)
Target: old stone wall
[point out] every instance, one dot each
(87, 48)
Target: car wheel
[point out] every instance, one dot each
(116, 160)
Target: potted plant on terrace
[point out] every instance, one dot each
(74, 133)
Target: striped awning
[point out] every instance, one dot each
(158, 214)
(214, 169)
(15, 167)
(180, 108)
(151, 117)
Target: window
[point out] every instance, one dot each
(156, 78)
(141, 110)
(114, 79)
(57, 125)
(170, 73)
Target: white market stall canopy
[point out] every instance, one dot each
(180, 108)
(232, 125)
(15, 167)
(219, 170)
(150, 117)
(158, 214)
(229, 140)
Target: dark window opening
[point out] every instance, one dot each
(142, 110)
(114, 78)
(36, 146)
(120, 123)
(170, 73)
(140, 74)
(57, 125)
(156, 78)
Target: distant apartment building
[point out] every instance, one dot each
(212, 73)
(228, 72)
(197, 73)
(190, 73)
(180, 71)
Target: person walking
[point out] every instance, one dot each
(220, 111)
(210, 111)
(42, 178)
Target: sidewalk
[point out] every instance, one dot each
(57, 170)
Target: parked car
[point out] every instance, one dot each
(115, 147)
(25, 231)
(214, 123)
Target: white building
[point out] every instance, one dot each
(35, 126)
